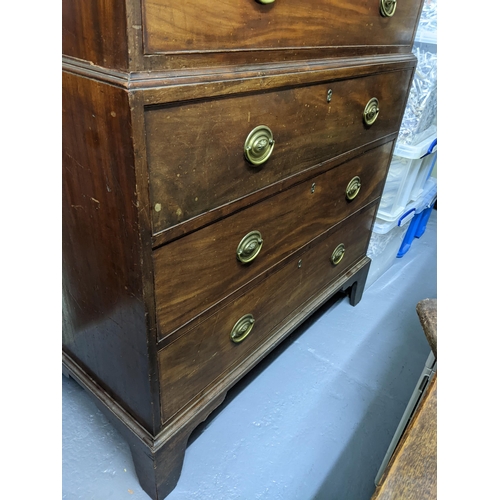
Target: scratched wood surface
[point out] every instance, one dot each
(412, 472)
(104, 325)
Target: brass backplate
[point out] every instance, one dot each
(249, 247)
(338, 254)
(353, 188)
(259, 145)
(388, 7)
(371, 111)
(242, 328)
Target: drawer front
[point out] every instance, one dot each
(242, 25)
(195, 272)
(189, 365)
(196, 150)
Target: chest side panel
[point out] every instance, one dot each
(95, 31)
(104, 324)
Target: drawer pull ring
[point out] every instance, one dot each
(353, 188)
(259, 145)
(265, 1)
(338, 254)
(249, 247)
(371, 111)
(388, 7)
(242, 328)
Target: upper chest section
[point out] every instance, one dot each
(167, 34)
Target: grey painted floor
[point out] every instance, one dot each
(313, 421)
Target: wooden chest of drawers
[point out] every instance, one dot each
(222, 168)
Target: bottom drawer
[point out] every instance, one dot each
(193, 363)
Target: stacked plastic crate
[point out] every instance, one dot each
(410, 191)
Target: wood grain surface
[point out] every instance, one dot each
(196, 359)
(158, 99)
(96, 31)
(195, 151)
(104, 314)
(411, 473)
(120, 35)
(198, 270)
(235, 25)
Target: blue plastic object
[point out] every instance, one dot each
(419, 221)
(409, 236)
(432, 149)
(424, 218)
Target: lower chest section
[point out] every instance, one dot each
(262, 205)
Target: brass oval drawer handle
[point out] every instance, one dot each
(371, 111)
(353, 188)
(242, 328)
(265, 1)
(259, 145)
(249, 247)
(338, 254)
(388, 7)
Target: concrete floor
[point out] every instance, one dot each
(312, 422)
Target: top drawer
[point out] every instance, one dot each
(243, 25)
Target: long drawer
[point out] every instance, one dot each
(196, 151)
(195, 272)
(239, 25)
(194, 361)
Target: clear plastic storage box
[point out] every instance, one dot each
(392, 239)
(410, 168)
(385, 243)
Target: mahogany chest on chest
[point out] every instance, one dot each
(222, 168)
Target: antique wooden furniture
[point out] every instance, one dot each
(412, 470)
(222, 167)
